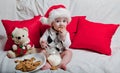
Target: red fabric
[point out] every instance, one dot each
(33, 26)
(43, 29)
(72, 26)
(20, 52)
(94, 36)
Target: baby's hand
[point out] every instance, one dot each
(62, 32)
(43, 44)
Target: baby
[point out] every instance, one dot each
(57, 37)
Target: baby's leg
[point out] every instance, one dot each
(47, 65)
(66, 57)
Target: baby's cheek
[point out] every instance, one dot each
(65, 24)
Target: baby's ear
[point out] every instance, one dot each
(52, 24)
(24, 28)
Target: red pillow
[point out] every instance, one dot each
(94, 36)
(33, 26)
(72, 26)
(43, 29)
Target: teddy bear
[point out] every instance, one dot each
(22, 44)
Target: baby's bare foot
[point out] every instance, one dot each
(46, 66)
(63, 66)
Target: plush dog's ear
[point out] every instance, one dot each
(25, 28)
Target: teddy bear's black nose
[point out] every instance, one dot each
(19, 38)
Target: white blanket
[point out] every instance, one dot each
(82, 62)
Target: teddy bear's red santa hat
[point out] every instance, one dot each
(55, 12)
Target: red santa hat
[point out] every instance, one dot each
(55, 12)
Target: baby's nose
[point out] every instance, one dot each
(61, 24)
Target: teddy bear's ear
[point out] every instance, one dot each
(12, 35)
(14, 31)
(24, 28)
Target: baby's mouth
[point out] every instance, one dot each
(60, 28)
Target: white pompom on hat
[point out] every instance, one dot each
(55, 12)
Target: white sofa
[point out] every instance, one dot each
(106, 11)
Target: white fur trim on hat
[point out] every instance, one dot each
(44, 20)
(55, 13)
(61, 12)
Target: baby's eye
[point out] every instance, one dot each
(22, 35)
(57, 21)
(64, 21)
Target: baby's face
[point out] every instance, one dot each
(60, 22)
